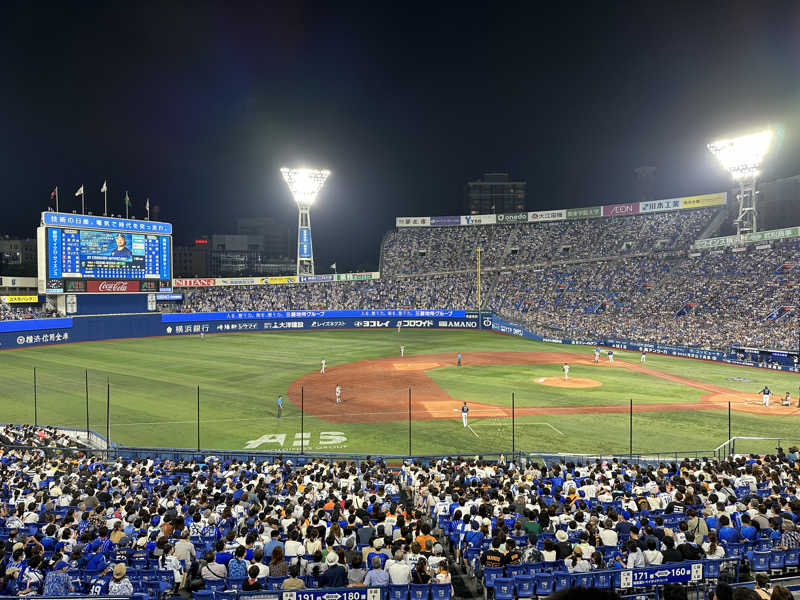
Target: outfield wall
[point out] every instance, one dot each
(40, 332)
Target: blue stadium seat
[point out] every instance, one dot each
(441, 591)
(226, 595)
(514, 570)
(562, 580)
(585, 580)
(490, 574)
(602, 579)
(504, 588)
(419, 591)
(711, 569)
(760, 562)
(526, 586)
(215, 585)
(398, 592)
(544, 584)
(776, 561)
(792, 560)
(274, 583)
(203, 595)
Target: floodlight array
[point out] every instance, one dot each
(742, 156)
(305, 184)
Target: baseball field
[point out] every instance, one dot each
(152, 389)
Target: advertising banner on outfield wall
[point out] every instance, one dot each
(412, 221)
(660, 205)
(589, 212)
(510, 218)
(547, 215)
(717, 199)
(282, 280)
(479, 219)
(357, 276)
(194, 282)
(621, 210)
(240, 281)
(315, 278)
(20, 299)
(749, 238)
(19, 282)
(445, 221)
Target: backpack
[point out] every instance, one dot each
(237, 569)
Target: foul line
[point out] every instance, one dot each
(473, 431)
(487, 422)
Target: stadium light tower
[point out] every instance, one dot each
(304, 184)
(742, 157)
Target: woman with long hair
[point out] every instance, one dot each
(278, 567)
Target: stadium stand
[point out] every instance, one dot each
(76, 523)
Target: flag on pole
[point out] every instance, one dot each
(333, 266)
(54, 193)
(128, 202)
(104, 189)
(147, 205)
(79, 192)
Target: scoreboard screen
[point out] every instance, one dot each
(129, 256)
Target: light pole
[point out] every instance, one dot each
(304, 184)
(742, 157)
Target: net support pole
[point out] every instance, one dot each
(108, 416)
(630, 429)
(302, 423)
(198, 419)
(35, 401)
(729, 420)
(409, 422)
(87, 405)
(513, 427)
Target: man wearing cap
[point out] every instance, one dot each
(57, 582)
(335, 575)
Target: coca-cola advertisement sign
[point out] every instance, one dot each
(620, 210)
(112, 287)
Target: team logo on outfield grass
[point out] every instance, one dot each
(744, 379)
(328, 440)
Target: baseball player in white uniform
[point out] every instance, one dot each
(596, 355)
(338, 394)
(464, 413)
(765, 394)
(402, 350)
(566, 371)
(611, 357)
(322, 370)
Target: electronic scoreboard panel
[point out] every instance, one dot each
(91, 254)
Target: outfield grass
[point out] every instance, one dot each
(153, 394)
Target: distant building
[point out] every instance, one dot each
(17, 251)
(495, 193)
(191, 261)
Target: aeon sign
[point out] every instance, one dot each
(620, 210)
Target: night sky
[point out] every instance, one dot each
(198, 104)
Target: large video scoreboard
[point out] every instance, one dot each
(92, 254)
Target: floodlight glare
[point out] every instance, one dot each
(304, 184)
(742, 156)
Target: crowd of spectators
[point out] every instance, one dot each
(612, 278)
(79, 524)
(16, 312)
(415, 250)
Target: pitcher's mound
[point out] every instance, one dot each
(573, 382)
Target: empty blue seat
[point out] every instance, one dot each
(760, 562)
(711, 568)
(203, 595)
(215, 585)
(544, 584)
(514, 570)
(792, 559)
(274, 583)
(504, 588)
(226, 595)
(525, 585)
(490, 574)
(602, 579)
(776, 560)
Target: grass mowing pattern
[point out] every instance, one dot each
(154, 381)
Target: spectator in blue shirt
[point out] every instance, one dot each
(57, 582)
(727, 533)
(747, 531)
(376, 577)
